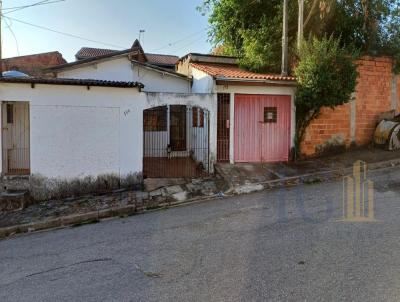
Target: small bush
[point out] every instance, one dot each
(326, 76)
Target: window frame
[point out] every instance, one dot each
(270, 110)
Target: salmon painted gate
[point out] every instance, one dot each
(175, 142)
(262, 128)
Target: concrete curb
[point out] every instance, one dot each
(95, 216)
(307, 178)
(69, 220)
(92, 217)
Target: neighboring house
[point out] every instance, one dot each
(126, 65)
(256, 112)
(33, 65)
(160, 60)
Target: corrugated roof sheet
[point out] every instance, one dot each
(77, 82)
(227, 71)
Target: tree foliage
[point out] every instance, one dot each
(252, 29)
(326, 76)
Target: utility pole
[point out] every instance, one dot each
(285, 46)
(300, 34)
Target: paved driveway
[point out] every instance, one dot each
(283, 245)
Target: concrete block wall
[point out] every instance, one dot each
(354, 123)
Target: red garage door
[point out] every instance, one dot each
(262, 128)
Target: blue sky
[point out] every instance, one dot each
(172, 26)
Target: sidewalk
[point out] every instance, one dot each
(245, 178)
(164, 193)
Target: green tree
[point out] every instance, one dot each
(326, 77)
(252, 29)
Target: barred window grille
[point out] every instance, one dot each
(155, 119)
(270, 114)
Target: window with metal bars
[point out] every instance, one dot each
(197, 117)
(155, 119)
(270, 114)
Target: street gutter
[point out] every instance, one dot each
(129, 210)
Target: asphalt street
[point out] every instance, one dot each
(283, 245)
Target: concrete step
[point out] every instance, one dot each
(14, 200)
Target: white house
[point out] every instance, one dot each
(117, 114)
(68, 129)
(255, 112)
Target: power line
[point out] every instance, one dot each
(17, 8)
(64, 33)
(23, 6)
(13, 34)
(181, 40)
(96, 41)
(188, 44)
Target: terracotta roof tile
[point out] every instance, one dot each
(88, 52)
(161, 59)
(234, 72)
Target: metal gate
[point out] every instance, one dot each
(175, 142)
(223, 128)
(262, 128)
(15, 138)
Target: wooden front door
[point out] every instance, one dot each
(15, 138)
(223, 127)
(262, 128)
(178, 127)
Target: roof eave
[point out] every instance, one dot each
(161, 70)
(72, 82)
(257, 81)
(85, 62)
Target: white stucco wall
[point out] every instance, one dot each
(89, 135)
(76, 132)
(118, 69)
(202, 82)
(121, 69)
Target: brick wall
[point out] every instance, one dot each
(33, 64)
(355, 123)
